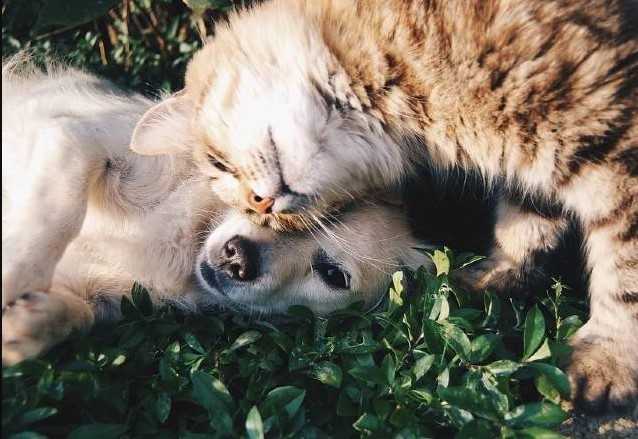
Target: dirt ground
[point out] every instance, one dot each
(604, 427)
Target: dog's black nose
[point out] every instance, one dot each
(239, 259)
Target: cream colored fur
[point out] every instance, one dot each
(84, 218)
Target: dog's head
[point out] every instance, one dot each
(348, 259)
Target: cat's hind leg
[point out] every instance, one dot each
(522, 236)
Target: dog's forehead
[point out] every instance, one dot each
(374, 231)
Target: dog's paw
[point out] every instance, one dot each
(602, 380)
(31, 325)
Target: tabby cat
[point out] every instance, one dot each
(298, 107)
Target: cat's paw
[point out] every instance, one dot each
(602, 378)
(498, 275)
(31, 324)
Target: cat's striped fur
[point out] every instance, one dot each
(324, 100)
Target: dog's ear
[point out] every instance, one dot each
(391, 197)
(164, 128)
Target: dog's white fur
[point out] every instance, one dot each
(84, 218)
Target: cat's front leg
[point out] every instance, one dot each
(604, 362)
(36, 321)
(521, 237)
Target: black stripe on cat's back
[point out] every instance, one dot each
(594, 149)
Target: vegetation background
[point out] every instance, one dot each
(432, 362)
(140, 44)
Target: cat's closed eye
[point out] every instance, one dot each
(218, 164)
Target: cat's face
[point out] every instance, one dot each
(281, 135)
(282, 154)
(256, 270)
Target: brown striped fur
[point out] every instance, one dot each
(542, 94)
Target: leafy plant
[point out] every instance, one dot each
(141, 44)
(433, 362)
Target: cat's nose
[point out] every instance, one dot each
(239, 259)
(261, 205)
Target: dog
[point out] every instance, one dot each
(84, 218)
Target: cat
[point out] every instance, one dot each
(297, 107)
(84, 218)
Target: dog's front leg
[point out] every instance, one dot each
(37, 321)
(45, 191)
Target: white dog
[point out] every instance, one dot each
(84, 218)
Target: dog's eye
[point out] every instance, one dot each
(216, 163)
(333, 275)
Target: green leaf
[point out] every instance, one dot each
(541, 353)
(244, 339)
(70, 13)
(432, 333)
(538, 433)
(499, 399)
(127, 308)
(403, 417)
(457, 339)
(286, 398)
(328, 373)
(141, 299)
(422, 396)
(382, 408)
(557, 377)
(482, 346)
(98, 431)
(27, 435)
(443, 380)
(119, 360)
(163, 407)
(503, 368)
(534, 331)
(172, 351)
(388, 367)
(211, 394)
(397, 282)
(421, 366)
(367, 422)
(193, 343)
(458, 417)
(476, 429)
(444, 312)
(36, 415)
(201, 6)
(302, 312)
(465, 259)
(441, 262)
(537, 414)
(547, 389)
(372, 375)
(254, 425)
(568, 326)
(492, 305)
(469, 400)
(396, 301)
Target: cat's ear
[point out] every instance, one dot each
(164, 128)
